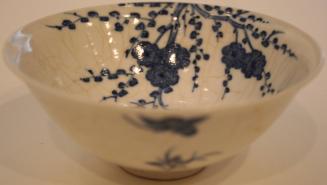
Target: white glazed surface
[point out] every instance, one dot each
(253, 131)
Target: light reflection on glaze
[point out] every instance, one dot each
(136, 21)
(22, 42)
(115, 53)
(137, 70)
(111, 40)
(139, 50)
(107, 25)
(172, 59)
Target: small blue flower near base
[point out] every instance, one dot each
(171, 161)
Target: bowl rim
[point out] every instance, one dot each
(288, 91)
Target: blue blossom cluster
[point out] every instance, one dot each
(163, 64)
(251, 64)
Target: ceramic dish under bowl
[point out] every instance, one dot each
(163, 89)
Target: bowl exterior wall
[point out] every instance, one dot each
(126, 136)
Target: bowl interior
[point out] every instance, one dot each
(167, 55)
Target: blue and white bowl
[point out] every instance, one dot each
(163, 89)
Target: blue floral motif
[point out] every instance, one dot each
(254, 64)
(176, 56)
(162, 76)
(171, 161)
(251, 64)
(161, 65)
(147, 54)
(186, 127)
(234, 55)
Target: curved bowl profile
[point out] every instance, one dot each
(163, 87)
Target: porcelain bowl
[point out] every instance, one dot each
(163, 89)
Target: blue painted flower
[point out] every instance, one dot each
(176, 56)
(147, 54)
(162, 76)
(254, 64)
(233, 55)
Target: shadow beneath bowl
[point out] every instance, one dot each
(34, 147)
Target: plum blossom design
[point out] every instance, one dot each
(162, 76)
(254, 64)
(172, 161)
(161, 66)
(233, 55)
(186, 127)
(147, 54)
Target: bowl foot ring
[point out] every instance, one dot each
(162, 176)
